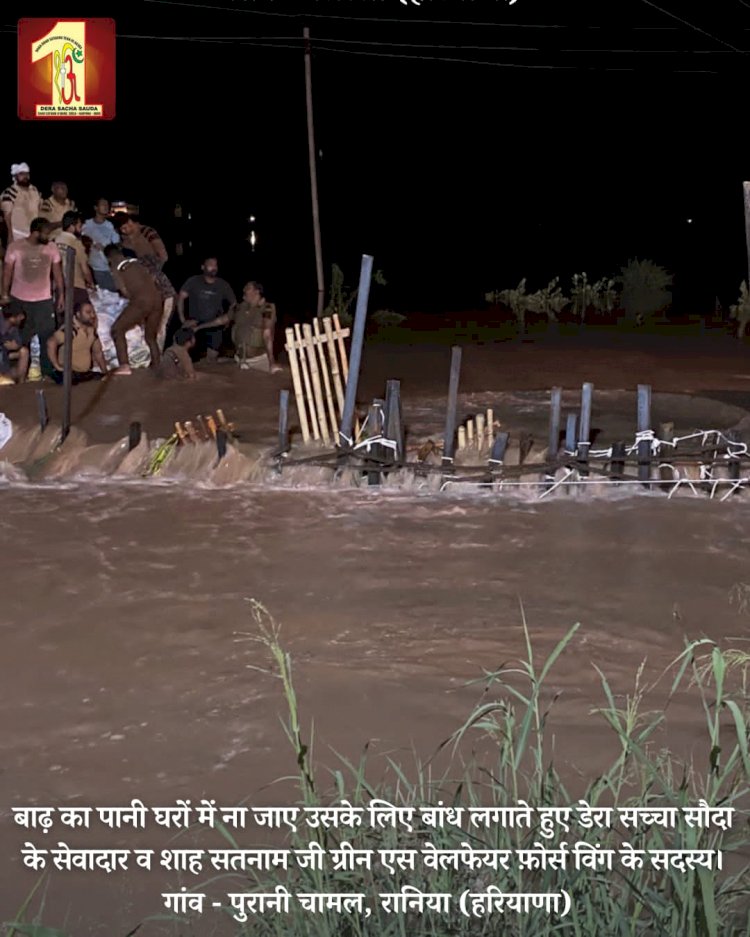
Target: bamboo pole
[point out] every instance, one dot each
(306, 381)
(296, 381)
(319, 341)
(342, 347)
(335, 373)
(480, 430)
(312, 357)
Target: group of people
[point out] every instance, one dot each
(112, 252)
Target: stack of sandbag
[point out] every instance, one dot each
(108, 307)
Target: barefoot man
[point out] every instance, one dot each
(144, 306)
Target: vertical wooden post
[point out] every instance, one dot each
(497, 455)
(584, 434)
(570, 432)
(555, 405)
(375, 428)
(283, 422)
(70, 259)
(221, 443)
(480, 431)
(617, 464)
(296, 380)
(41, 403)
(666, 432)
(355, 357)
(644, 424)
(490, 428)
(449, 440)
(313, 174)
(134, 436)
(394, 423)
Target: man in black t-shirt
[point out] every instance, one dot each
(208, 297)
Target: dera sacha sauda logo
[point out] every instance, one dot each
(66, 69)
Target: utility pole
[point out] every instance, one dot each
(69, 275)
(313, 173)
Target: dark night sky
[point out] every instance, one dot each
(457, 177)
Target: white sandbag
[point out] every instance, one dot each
(6, 429)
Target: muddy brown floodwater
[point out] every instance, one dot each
(125, 671)
(125, 675)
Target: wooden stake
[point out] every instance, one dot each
(470, 432)
(319, 341)
(222, 421)
(202, 429)
(461, 438)
(190, 431)
(312, 358)
(297, 382)
(211, 424)
(449, 437)
(490, 427)
(181, 434)
(480, 430)
(306, 381)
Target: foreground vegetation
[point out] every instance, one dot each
(509, 735)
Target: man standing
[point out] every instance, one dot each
(209, 297)
(87, 348)
(102, 233)
(20, 203)
(27, 285)
(144, 306)
(147, 245)
(54, 207)
(69, 238)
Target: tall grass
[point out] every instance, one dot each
(513, 719)
(513, 759)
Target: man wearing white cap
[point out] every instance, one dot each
(20, 203)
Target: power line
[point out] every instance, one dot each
(690, 25)
(384, 19)
(422, 58)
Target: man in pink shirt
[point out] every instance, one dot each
(31, 264)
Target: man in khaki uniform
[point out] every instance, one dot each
(87, 348)
(20, 203)
(253, 325)
(56, 206)
(69, 238)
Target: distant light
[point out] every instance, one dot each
(251, 219)
(690, 221)
(253, 240)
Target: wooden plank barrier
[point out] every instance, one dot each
(318, 362)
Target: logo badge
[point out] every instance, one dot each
(66, 69)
